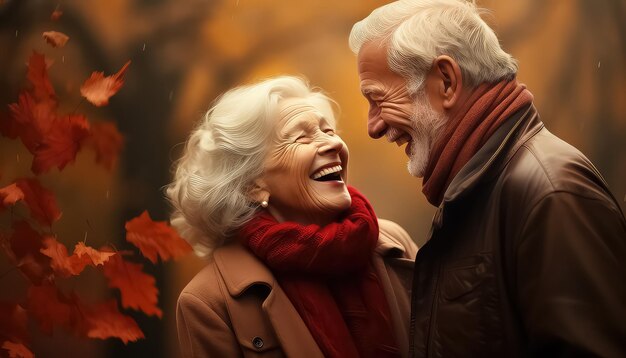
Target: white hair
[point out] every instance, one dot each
(223, 156)
(417, 31)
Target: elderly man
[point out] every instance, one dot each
(526, 251)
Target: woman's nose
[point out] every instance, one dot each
(376, 127)
(331, 144)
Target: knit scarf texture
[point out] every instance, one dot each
(327, 274)
(470, 127)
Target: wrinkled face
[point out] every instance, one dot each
(306, 166)
(394, 112)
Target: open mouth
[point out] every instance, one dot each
(328, 174)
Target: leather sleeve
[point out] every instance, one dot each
(201, 331)
(571, 277)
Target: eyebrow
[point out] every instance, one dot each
(304, 124)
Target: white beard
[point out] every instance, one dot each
(427, 126)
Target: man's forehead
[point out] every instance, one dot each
(372, 56)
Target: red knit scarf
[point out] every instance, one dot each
(469, 128)
(327, 274)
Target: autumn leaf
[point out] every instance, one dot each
(13, 321)
(97, 89)
(55, 39)
(64, 265)
(56, 15)
(107, 142)
(17, 350)
(61, 143)
(37, 75)
(137, 289)
(29, 120)
(10, 195)
(155, 238)
(49, 307)
(40, 201)
(105, 321)
(22, 249)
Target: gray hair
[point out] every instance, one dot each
(418, 31)
(223, 156)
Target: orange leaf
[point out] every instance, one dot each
(105, 321)
(41, 202)
(98, 88)
(60, 145)
(17, 350)
(155, 238)
(107, 142)
(13, 321)
(56, 15)
(55, 39)
(10, 195)
(96, 257)
(137, 288)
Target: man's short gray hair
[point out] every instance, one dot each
(418, 31)
(223, 156)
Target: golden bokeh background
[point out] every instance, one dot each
(572, 56)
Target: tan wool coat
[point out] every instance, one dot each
(235, 308)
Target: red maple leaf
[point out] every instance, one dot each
(10, 195)
(61, 143)
(30, 120)
(98, 88)
(22, 249)
(50, 307)
(155, 238)
(38, 77)
(17, 350)
(55, 39)
(13, 321)
(41, 202)
(64, 265)
(56, 15)
(107, 142)
(105, 321)
(137, 288)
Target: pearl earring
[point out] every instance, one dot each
(264, 203)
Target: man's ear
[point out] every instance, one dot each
(450, 81)
(259, 191)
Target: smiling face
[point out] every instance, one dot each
(394, 112)
(305, 170)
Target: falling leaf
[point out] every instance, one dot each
(17, 350)
(23, 249)
(64, 265)
(38, 77)
(96, 257)
(55, 39)
(30, 120)
(49, 307)
(107, 142)
(60, 145)
(40, 201)
(56, 15)
(9, 195)
(105, 321)
(155, 238)
(138, 290)
(98, 88)
(13, 321)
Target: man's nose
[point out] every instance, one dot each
(376, 127)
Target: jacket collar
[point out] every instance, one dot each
(242, 270)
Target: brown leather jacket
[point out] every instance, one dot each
(526, 255)
(235, 308)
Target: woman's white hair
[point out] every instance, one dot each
(418, 31)
(223, 156)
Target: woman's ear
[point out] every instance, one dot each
(259, 191)
(450, 81)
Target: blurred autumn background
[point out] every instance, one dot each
(185, 53)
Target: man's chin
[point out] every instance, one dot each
(418, 159)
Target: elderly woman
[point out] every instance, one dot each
(299, 265)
